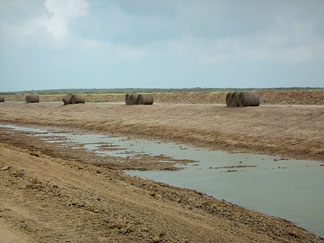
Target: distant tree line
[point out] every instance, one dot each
(148, 90)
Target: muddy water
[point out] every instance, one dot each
(295, 191)
(290, 189)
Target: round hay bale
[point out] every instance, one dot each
(127, 99)
(67, 99)
(2, 99)
(145, 99)
(32, 98)
(133, 99)
(229, 99)
(235, 99)
(78, 99)
(248, 99)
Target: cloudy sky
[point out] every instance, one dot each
(47, 44)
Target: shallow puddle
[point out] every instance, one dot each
(290, 189)
(293, 190)
(100, 144)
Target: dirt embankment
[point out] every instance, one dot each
(46, 198)
(286, 130)
(301, 97)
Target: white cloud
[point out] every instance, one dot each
(112, 51)
(52, 16)
(298, 54)
(286, 41)
(131, 54)
(134, 36)
(94, 44)
(63, 12)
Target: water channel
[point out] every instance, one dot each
(286, 188)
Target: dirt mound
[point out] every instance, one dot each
(300, 97)
(191, 98)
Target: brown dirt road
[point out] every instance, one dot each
(47, 197)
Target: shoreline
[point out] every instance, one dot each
(293, 132)
(46, 176)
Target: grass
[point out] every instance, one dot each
(103, 94)
(121, 94)
(98, 101)
(218, 92)
(50, 95)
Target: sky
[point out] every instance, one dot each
(57, 44)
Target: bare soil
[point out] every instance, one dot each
(300, 97)
(53, 195)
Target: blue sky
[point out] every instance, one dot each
(52, 44)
